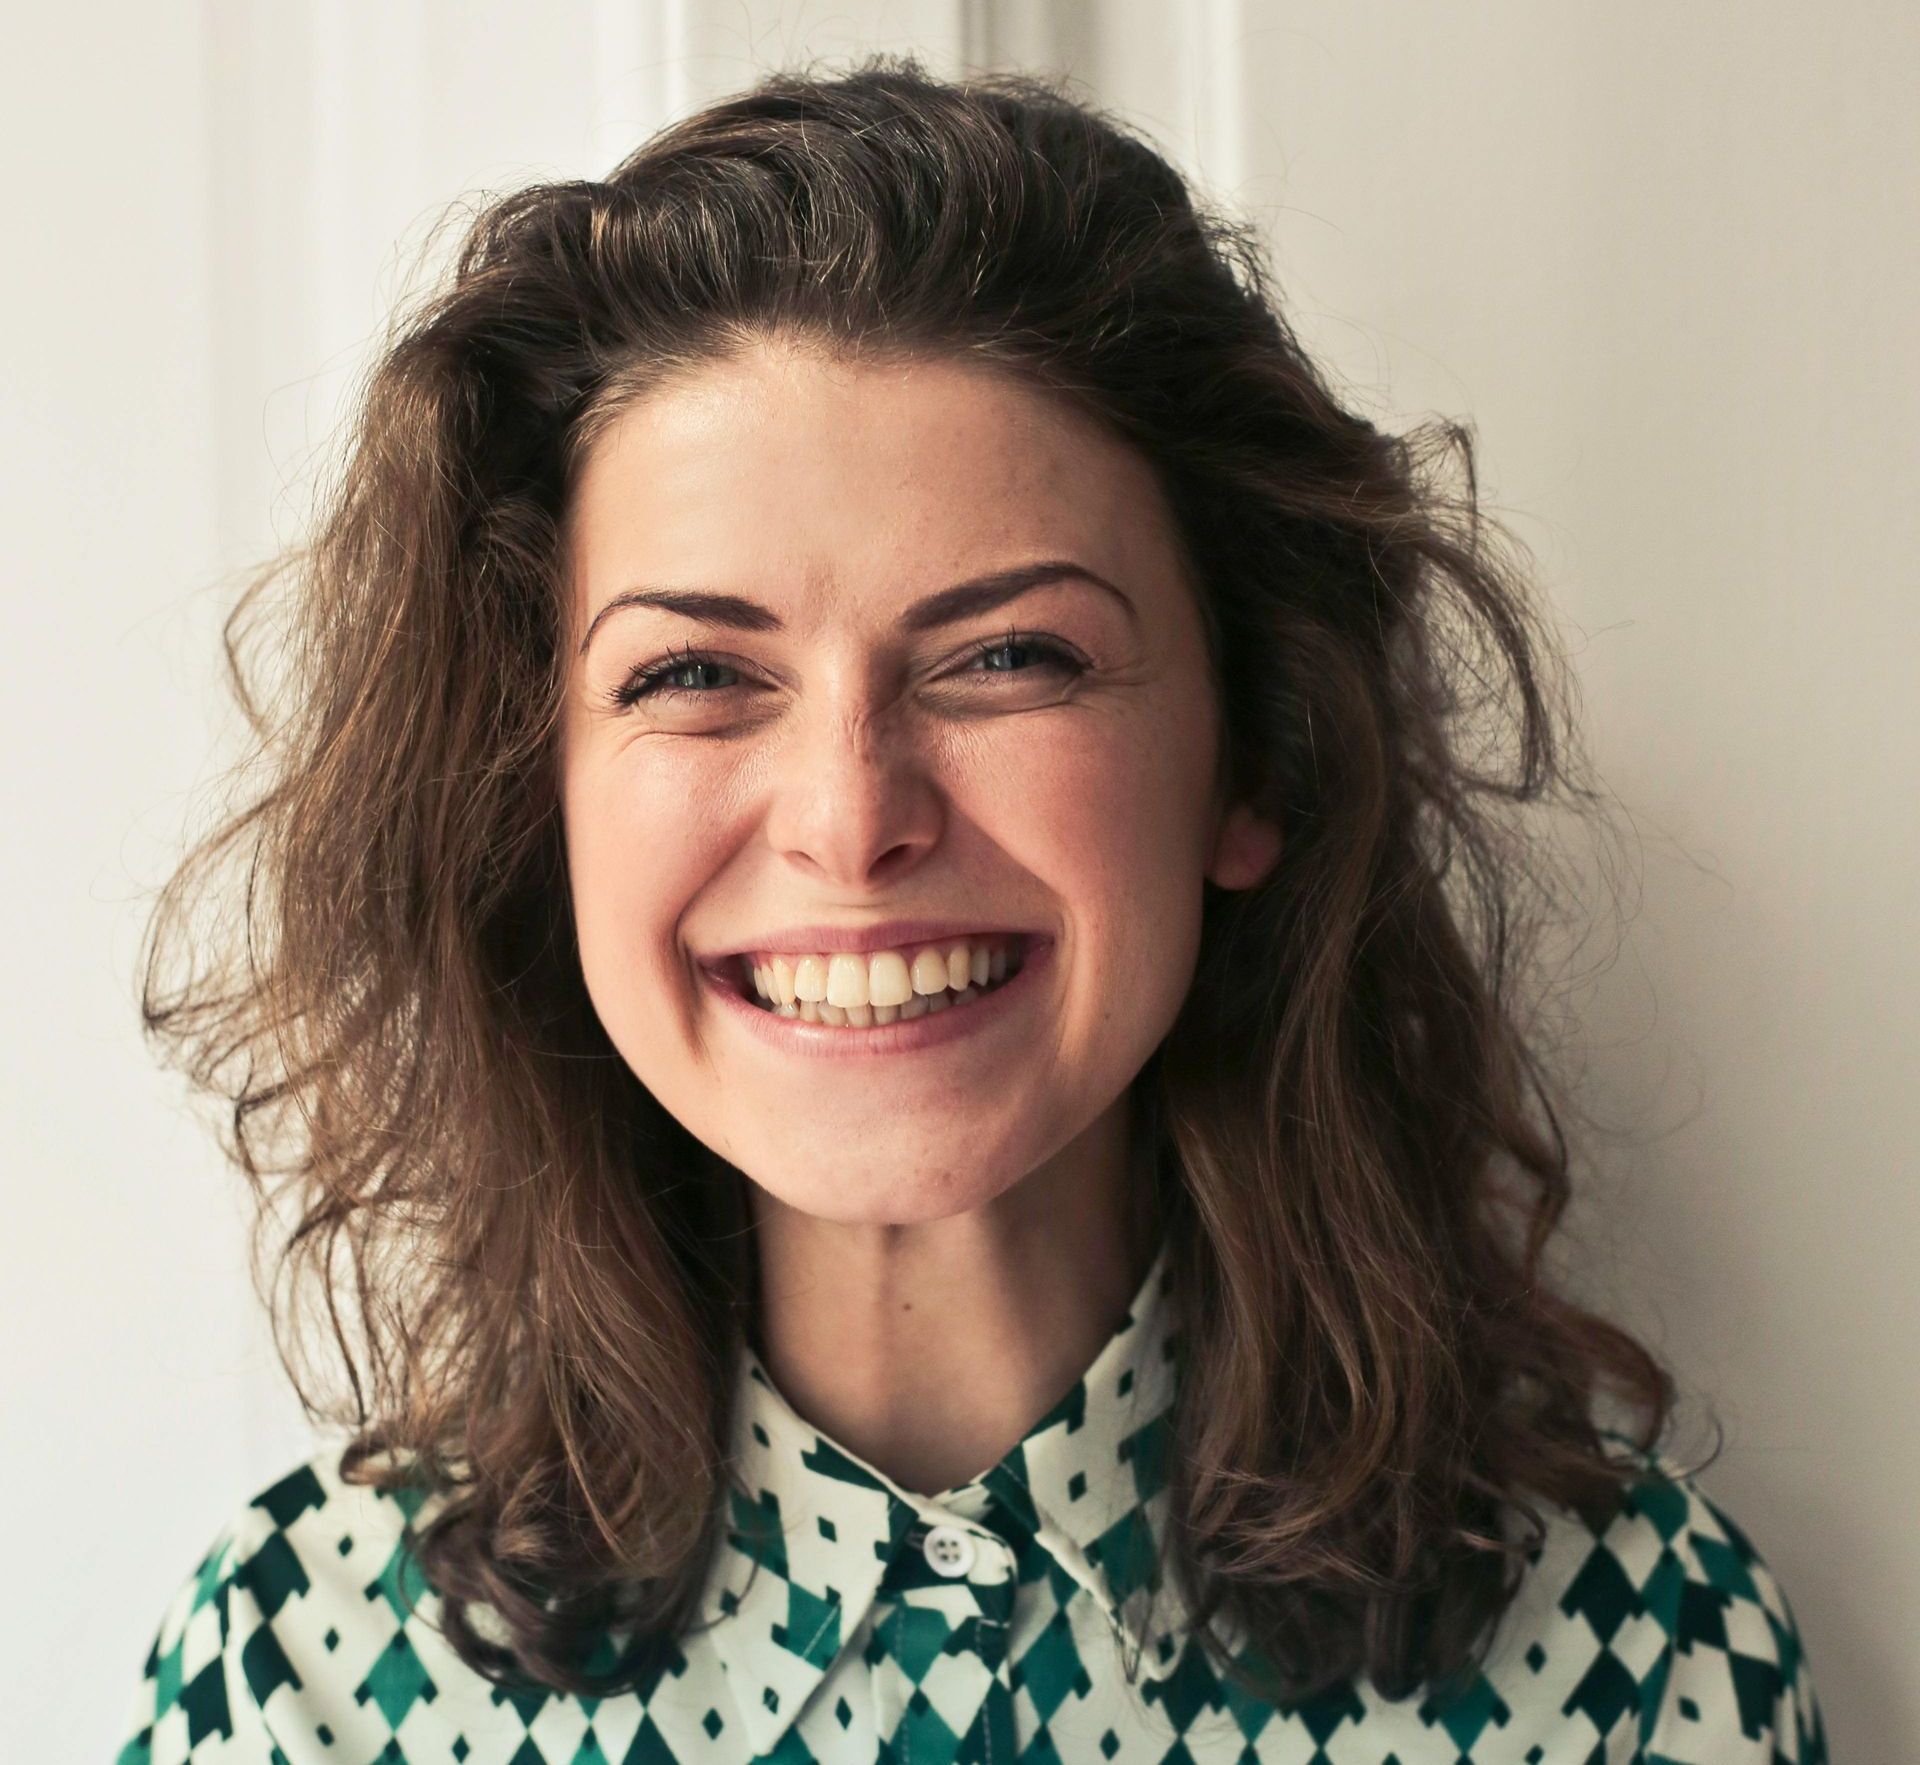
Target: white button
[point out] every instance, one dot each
(949, 1550)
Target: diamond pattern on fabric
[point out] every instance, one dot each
(307, 1635)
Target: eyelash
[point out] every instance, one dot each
(648, 681)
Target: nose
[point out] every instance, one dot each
(852, 800)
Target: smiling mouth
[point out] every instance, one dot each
(857, 991)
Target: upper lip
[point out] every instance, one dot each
(891, 934)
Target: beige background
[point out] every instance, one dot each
(1662, 258)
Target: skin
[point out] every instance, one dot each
(947, 1238)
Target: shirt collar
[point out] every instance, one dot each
(820, 1525)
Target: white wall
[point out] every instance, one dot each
(1664, 260)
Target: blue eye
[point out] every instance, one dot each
(1058, 661)
(659, 680)
(654, 679)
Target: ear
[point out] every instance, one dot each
(1246, 846)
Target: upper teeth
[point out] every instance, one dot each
(881, 977)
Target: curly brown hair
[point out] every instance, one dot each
(534, 1279)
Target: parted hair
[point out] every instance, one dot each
(515, 1280)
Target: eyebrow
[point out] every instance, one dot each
(949, 606)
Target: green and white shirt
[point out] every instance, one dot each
(1009, 1621)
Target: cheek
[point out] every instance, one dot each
(1118, 807)
(641, 838)
(638, 822)
(1110, 816)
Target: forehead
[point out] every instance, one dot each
(784, 461)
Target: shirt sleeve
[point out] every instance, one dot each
(193, 1705)
(1736, 1685)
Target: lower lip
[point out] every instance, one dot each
(794, 1035)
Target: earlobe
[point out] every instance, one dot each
(1246, 846)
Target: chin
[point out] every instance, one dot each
(907, 1191)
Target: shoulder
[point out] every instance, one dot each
(313, 1534)
(1662, 1616)
(311, 1537)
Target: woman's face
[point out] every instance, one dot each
(834, 749)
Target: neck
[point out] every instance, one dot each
(929, 1350)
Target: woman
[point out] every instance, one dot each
(885, 1005)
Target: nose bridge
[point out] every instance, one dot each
(852, 793)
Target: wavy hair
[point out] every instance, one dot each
(517, 1281)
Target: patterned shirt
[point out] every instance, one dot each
(1009, 1621)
